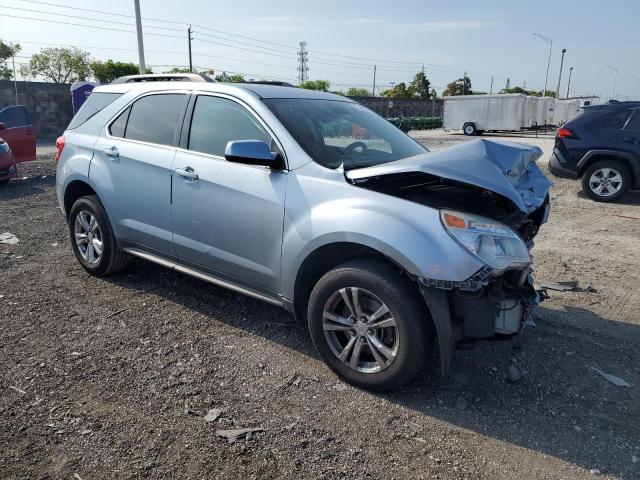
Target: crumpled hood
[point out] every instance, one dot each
(507, 168)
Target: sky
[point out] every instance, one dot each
(345, 39)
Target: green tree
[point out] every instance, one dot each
(7, 50)
(179, 70)
(434, 94)
(59, 65)
(419, 86)
(320, 85)
(358, 92)
(108, 71)
(461, 86)
(224, 77)
(398, 91)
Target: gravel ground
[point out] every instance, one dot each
(111, 378)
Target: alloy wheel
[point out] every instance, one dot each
(360, 330)
(605, 182)
(88, 237)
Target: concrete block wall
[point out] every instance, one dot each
(48, 105)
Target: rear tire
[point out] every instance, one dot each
(606, 181)
(379, 352)
(92, 238)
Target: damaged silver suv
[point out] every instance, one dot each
(311, 202)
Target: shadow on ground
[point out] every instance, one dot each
(561, 407)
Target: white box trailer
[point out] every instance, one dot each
(565, 110)
(475, 114)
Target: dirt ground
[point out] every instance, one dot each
(111, 378)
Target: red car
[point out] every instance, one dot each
(17, 131)
(8, 168)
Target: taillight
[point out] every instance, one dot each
(59, 146)
(563, 132)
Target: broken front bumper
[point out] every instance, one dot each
(481, 307)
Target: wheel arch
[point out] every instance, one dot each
(75, 190)
(323, 259)
(595, 156)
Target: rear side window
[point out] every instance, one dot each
(617, 119)
(95, 103)
(153, 119)
(217, 121)
(634, 123)
(14, 117)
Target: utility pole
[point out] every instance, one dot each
(303, 60)
(140, 42)
(569, 84)
(190, 59)
(550, 43)
(560, 73)
(15, 79)
(615, 78)
(373, 92)
(637, 84)
(491, 88)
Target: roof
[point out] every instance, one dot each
(259, 90)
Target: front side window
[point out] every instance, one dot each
(14, 117)
(337, 133)
(153, 119)
(217, 121)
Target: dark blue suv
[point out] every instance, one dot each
(602, 146)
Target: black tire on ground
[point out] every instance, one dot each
(469, 129)
(415, 330)
(618, 179)
(112, 258)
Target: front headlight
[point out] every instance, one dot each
(492, 242)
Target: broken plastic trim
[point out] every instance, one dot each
(471, 284)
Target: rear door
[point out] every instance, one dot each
(132, 167)
(18, 133)
(630, 142)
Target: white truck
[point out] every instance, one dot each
(475, 114)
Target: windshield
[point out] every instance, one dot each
(336, 133)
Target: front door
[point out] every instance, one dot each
(227, 217)
(18, 133)
(132, 168)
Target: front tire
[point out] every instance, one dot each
(606, 181)
(370, 325)
(92, 238)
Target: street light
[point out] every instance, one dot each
(615, 77)
(136, 5)
(560, 73)
(550, 42)
(637, 84)
(569, 84)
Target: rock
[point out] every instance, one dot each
(238, 433)
(212, 415)
(9, 238)
(634, 459)
(594, 471)
(513, 374)
(461, 403)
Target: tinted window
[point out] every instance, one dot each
(118, 127)
(634, 123)
(336, 133)
(14, 117)
(617, 119)
(155, 118)
(217, 121)
(92, 105)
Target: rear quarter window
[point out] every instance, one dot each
(95, 103)
(616, 120)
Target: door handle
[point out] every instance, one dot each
(111, 151)
(188, 173)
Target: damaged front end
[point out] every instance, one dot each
(493, 199)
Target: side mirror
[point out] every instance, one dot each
(2, 126)
(252, 152)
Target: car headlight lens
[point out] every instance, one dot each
(492, 242)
